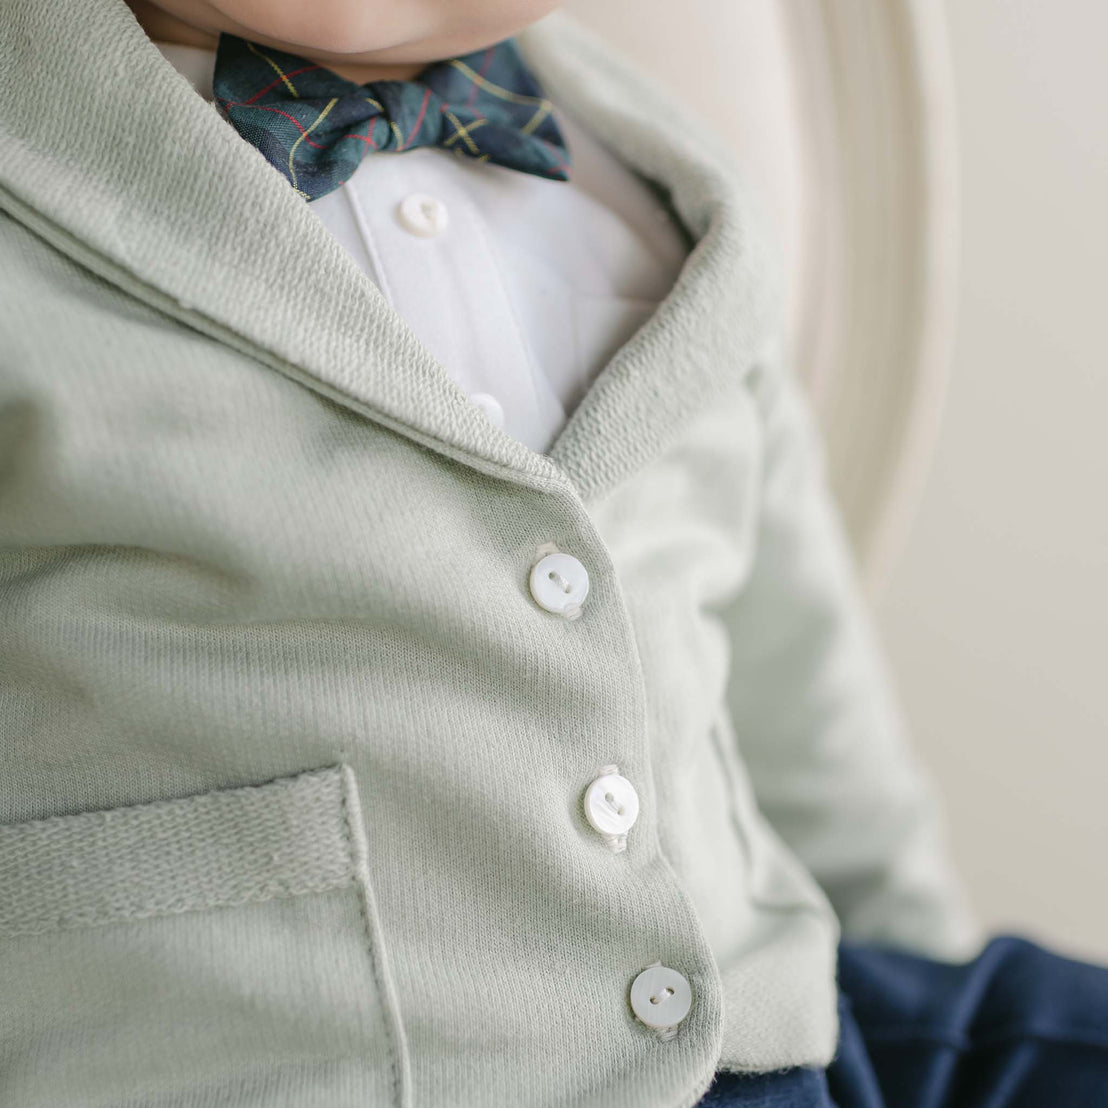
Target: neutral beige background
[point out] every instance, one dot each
(996, 612)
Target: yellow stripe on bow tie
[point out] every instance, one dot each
(496, 90)
(303, 136)
(462, 131)
(280, 71)
(536, 119)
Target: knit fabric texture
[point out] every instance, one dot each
(315, 126)
(253, 530)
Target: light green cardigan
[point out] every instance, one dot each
(291, 763)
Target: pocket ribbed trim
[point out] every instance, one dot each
(288, 837)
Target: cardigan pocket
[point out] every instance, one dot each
(221, 949)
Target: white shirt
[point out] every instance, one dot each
(526, 286)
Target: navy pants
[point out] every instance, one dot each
(1017, 1027)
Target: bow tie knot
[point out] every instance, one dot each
(315, 126)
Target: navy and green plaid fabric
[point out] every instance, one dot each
(315, 126)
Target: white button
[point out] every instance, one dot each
(612, 806)
(661, 998)
(560, 583)
(490, 406)
(422, 214)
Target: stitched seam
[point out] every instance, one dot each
(368, 240)
(361, 880)
(45, 925)
(498, 266)
(718, 741)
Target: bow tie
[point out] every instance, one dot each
(315, 126)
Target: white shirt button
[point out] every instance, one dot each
(661, 998)
(612, 806)
(422, 214)
(490, 406)
(559, 583)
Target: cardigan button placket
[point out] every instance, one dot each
(661, 998)
(611, 807)
(559, 582)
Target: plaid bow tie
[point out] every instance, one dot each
(315, 126)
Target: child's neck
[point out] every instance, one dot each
(164, 27)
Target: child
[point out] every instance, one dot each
(433, 672)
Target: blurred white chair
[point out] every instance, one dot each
(841, 112)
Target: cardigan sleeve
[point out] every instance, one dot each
(816, 715)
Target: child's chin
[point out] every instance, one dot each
(378, 30)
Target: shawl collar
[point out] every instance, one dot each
(164, 199)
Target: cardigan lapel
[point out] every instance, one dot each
(727, 299)
(164, 199)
